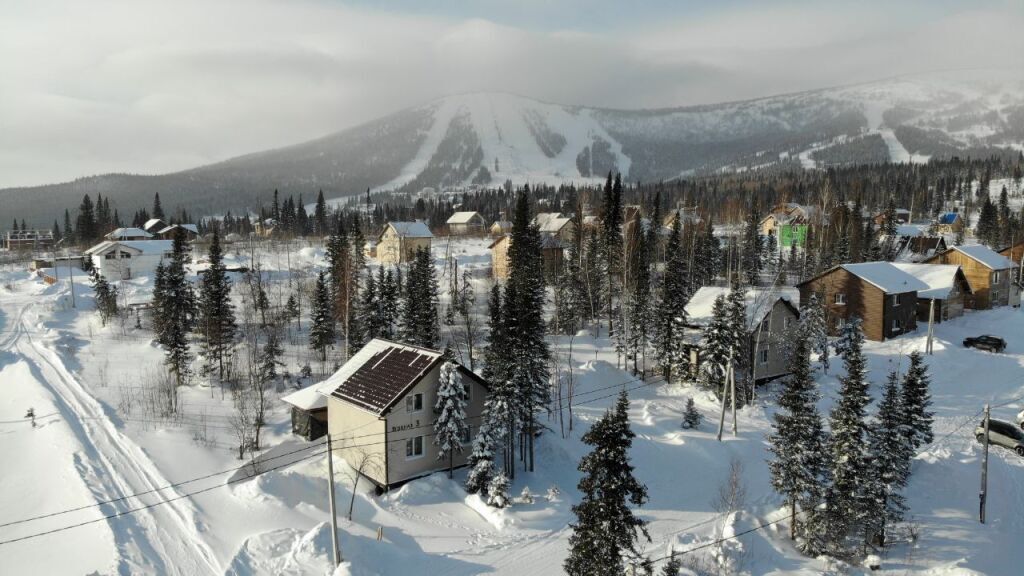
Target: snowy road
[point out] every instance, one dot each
(165, 539)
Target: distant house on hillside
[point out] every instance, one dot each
(947, 290)
(949, 223)
(501, 227)
(1015, 252)
(15, 240)
(882, 295)
(684, 215)
(771, 317)
(398, 241)
(787, 214)
(902, 217)
(191, 231)
(990, 274)
(465, 223)
(128, 234)
(388, 390)
(154, 225)
(126, 259)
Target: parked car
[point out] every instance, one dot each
(986, 342)
(1020, 419)
(1002, 434)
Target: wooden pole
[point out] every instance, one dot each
(984, 470)
(725, 388)
(330, 497)
(931, 326)
(732, 393)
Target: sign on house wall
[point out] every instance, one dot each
(790, 234)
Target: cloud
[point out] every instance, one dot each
(154, 86)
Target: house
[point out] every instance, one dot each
(464, 223)
(398, 242)
(168, 233)
(125, 259)
(309, 412)
(920, 248)
(947, 290)
(552, 251)
(990, 274)
(28, 239)
(560, 227)
(771, 315)
(1014, 252)
(128, 234)
(501, 227)
(788, 214)
(684, 215)
(386, 392)
(902, 217)
(882, 295)
(499, 257)
(154, 225)
(949, 223)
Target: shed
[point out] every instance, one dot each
(464, 223)
(309, 412)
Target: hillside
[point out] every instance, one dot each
(488, 138)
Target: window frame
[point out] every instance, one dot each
(839, 299)
(411, 445)
(897, 325)
(763, 355)
(411, 401)
(896, 300)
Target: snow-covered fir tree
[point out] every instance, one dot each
(670, 318)
(718, 342)
(639, 308)
(321, 333)
(175, 303)
(106, 297)
(813, 323)
(917, 419)
(672, 567)
(847, 499)
(612, 249)
(606, 532)
(890, 462)
(797, 443)
(497, 491)
(217, 329)
(420, 323)
(481, 460)
(450, 427)
(691, 416)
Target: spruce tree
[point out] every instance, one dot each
(481, 460)
(612, 247)
(890, 463)
(716, 346)
(848, 503)
(106, 297)
(158, 210)
(420, 323)
(812, 321)
(321, 333)
(320, 215)
(640, 311)
(497, 491)
(797, 443)
(606, 532)
(917, 419)
(450, 427)
(670, 319)
(177, 310)
(217, 329)
(691, 416)
(751, 261)
(672, 567)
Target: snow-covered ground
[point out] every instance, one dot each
(87, 449)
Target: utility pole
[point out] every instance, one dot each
(71, 275)
(330, 495)
(931, 326)
(984, 470)
(725, 388)
(732, 393)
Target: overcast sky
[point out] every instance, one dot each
(88, 87)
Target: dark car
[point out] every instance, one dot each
(1002, 434)
(986, 342)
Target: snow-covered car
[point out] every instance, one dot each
(1002, 434)
(986, 342)
(1020, 419)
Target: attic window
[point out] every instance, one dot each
(895, 300)
(414, 403)
(996, 276)
(840, 299)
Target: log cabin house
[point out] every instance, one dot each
(947, 290)
(380, 411)
(882, 295)
(989, 273)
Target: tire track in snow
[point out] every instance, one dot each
(165, 539)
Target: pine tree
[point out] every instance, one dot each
(691, 416)
(890, 463)
(175, 305)
(751, 261)
(612, 247)
(481, 459)
(217, 329)
(420, 323)
(640, 313)
(798, 442)
(847, 501)
(606, 531)
(812, 320)
(450, 427)
(158, 210)
(320, 215)
(987, 229)
(321, 333)
(670, 319)
(106, 297)
(497, 491)
(716, 346)
(917, 419)
(86, 222)
(270, 358)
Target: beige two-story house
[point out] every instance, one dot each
(380, 411)
(398, 242)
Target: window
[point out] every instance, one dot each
(897, 325)
(840, 298)
(110, 256)
(896, 300)
(764, 356)
(995, 276)
(787, 322)
(464, 436)
(125, 255)
(414, 447)
(467, 388)
(414, 403)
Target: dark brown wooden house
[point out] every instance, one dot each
(989, 273)
(882, 295)
(947, 290)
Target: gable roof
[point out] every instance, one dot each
(886, 276)
(948, 217)
(465, 218)
(190, 227)
(153, 223)
(415, 229)
(140, 246)
(940, 278)
(382, 373)
(128, 233)
(986, 256)
(554, 225)
(308, 398)
(759, 302)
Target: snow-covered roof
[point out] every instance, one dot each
(948, 217)
(940, 278)
(153, 223)
(464, 218)
(542, 217)
(128, 233)
(758, 302)
(308, 398)
(414, 229)
(908, 230)
(554, 225)
(190, 227)
(886, 277)
(503, 224)
(140, 246)
(986, 256)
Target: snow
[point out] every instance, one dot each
(128, 233)
(309, 398)
(415, 229)
(758, 301)
(462, 217)
(940, 278)
(986, 256)
(885, 276)
(142, 246)
(60, 361)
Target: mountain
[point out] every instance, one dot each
(487, 138)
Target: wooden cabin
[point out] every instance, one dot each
(309, 412)
(949, 223)
(989, 273)
(398, 242)
(882, 295)
(1015, 252)
(466, 224)
(947, 290)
